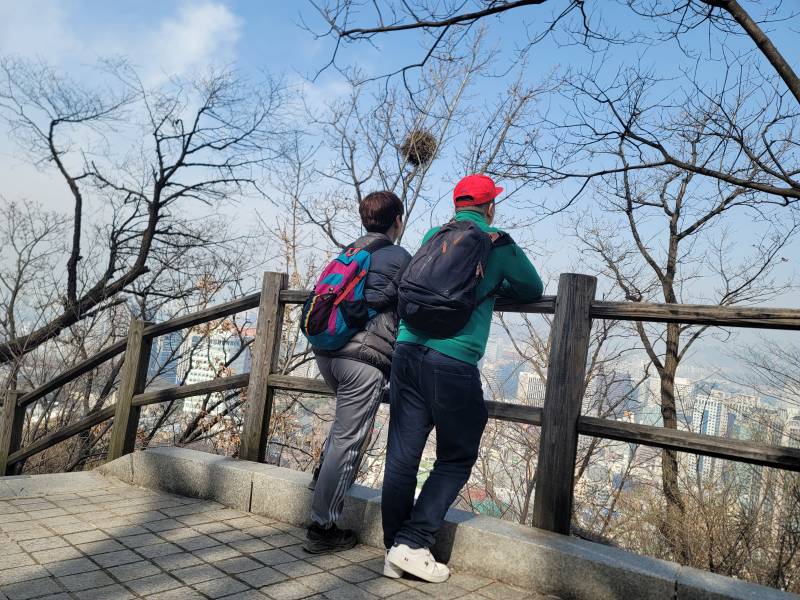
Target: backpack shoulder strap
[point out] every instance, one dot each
(399, 275)
(501, 238)
(373, 246)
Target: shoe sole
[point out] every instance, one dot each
(417, 572)
(328, 549)
(391, 571)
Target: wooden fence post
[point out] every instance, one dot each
(134, 378)
(566, 371)
(10, 429)
(266, 351)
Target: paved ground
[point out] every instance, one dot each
(117, 541)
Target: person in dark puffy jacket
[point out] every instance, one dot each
(358, 373)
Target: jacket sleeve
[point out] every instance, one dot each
(392, 264)
(520, 279)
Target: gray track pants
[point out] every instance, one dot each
(358, 387)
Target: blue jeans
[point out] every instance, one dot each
(428, 390)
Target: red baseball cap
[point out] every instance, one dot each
(480, 187)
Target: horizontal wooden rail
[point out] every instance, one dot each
(755, 453)
(203, 316)
(503, 411)
(171, 326)
(699, 314)
(73, 373)
(62, 434)
(222, 384)
(694, 314)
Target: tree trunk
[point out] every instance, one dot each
(671, 525)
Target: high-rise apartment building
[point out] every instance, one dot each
(530, 389)
(202, 356)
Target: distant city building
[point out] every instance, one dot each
(494, 350)
(648, 405)
(501, 379)
(307, 369)
(202, 356)
(613, 394)
(530, 389)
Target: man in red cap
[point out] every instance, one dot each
(435, 382)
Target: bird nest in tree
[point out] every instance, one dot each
(418, 147)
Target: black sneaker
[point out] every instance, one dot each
(325, 541)
(314, 477)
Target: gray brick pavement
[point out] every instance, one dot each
(125, 542)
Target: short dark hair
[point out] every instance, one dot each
(378, 211)
(482, 209)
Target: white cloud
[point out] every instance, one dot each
(32, 27)
(200, 33)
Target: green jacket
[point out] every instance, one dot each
(520, 280)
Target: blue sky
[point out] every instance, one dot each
(177, 36)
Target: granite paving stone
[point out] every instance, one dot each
(176, 594)
(136, 541)
(261, 577)
(84, 537)
(444, 591)
(163, 525)
(71, 567)
(233, 535)
(216, 588)
(126, 530)
(247, 595)
(326, 561)
(18, 574)
(16, 560)
(276, 557)
(213, 527)
(349, 592)
(100, 547)
(354, 573)
(112, 559)
(250, 546)
(111, 592)
(217, 553)
(31, 589)
(287, 590)
(298, 552)
(171, 562)
(468, 581)
(72, 528)
(500, 591)
(85, 581)
(383, 586)
(56, 554)
(135, 570)
(297, 568)
(158, 550)
(153, 584)
(238, 565)
(322, 582)
(197, 542)
(124, 542)
(197, 574)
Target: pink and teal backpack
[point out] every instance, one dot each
(338, 310)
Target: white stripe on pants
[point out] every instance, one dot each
(359, 388)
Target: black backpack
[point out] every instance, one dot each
(438, 291)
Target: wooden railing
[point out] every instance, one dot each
(573, 309)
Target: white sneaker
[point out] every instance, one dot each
(418, 562)
(389, 570)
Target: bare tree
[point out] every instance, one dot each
(200, 140)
